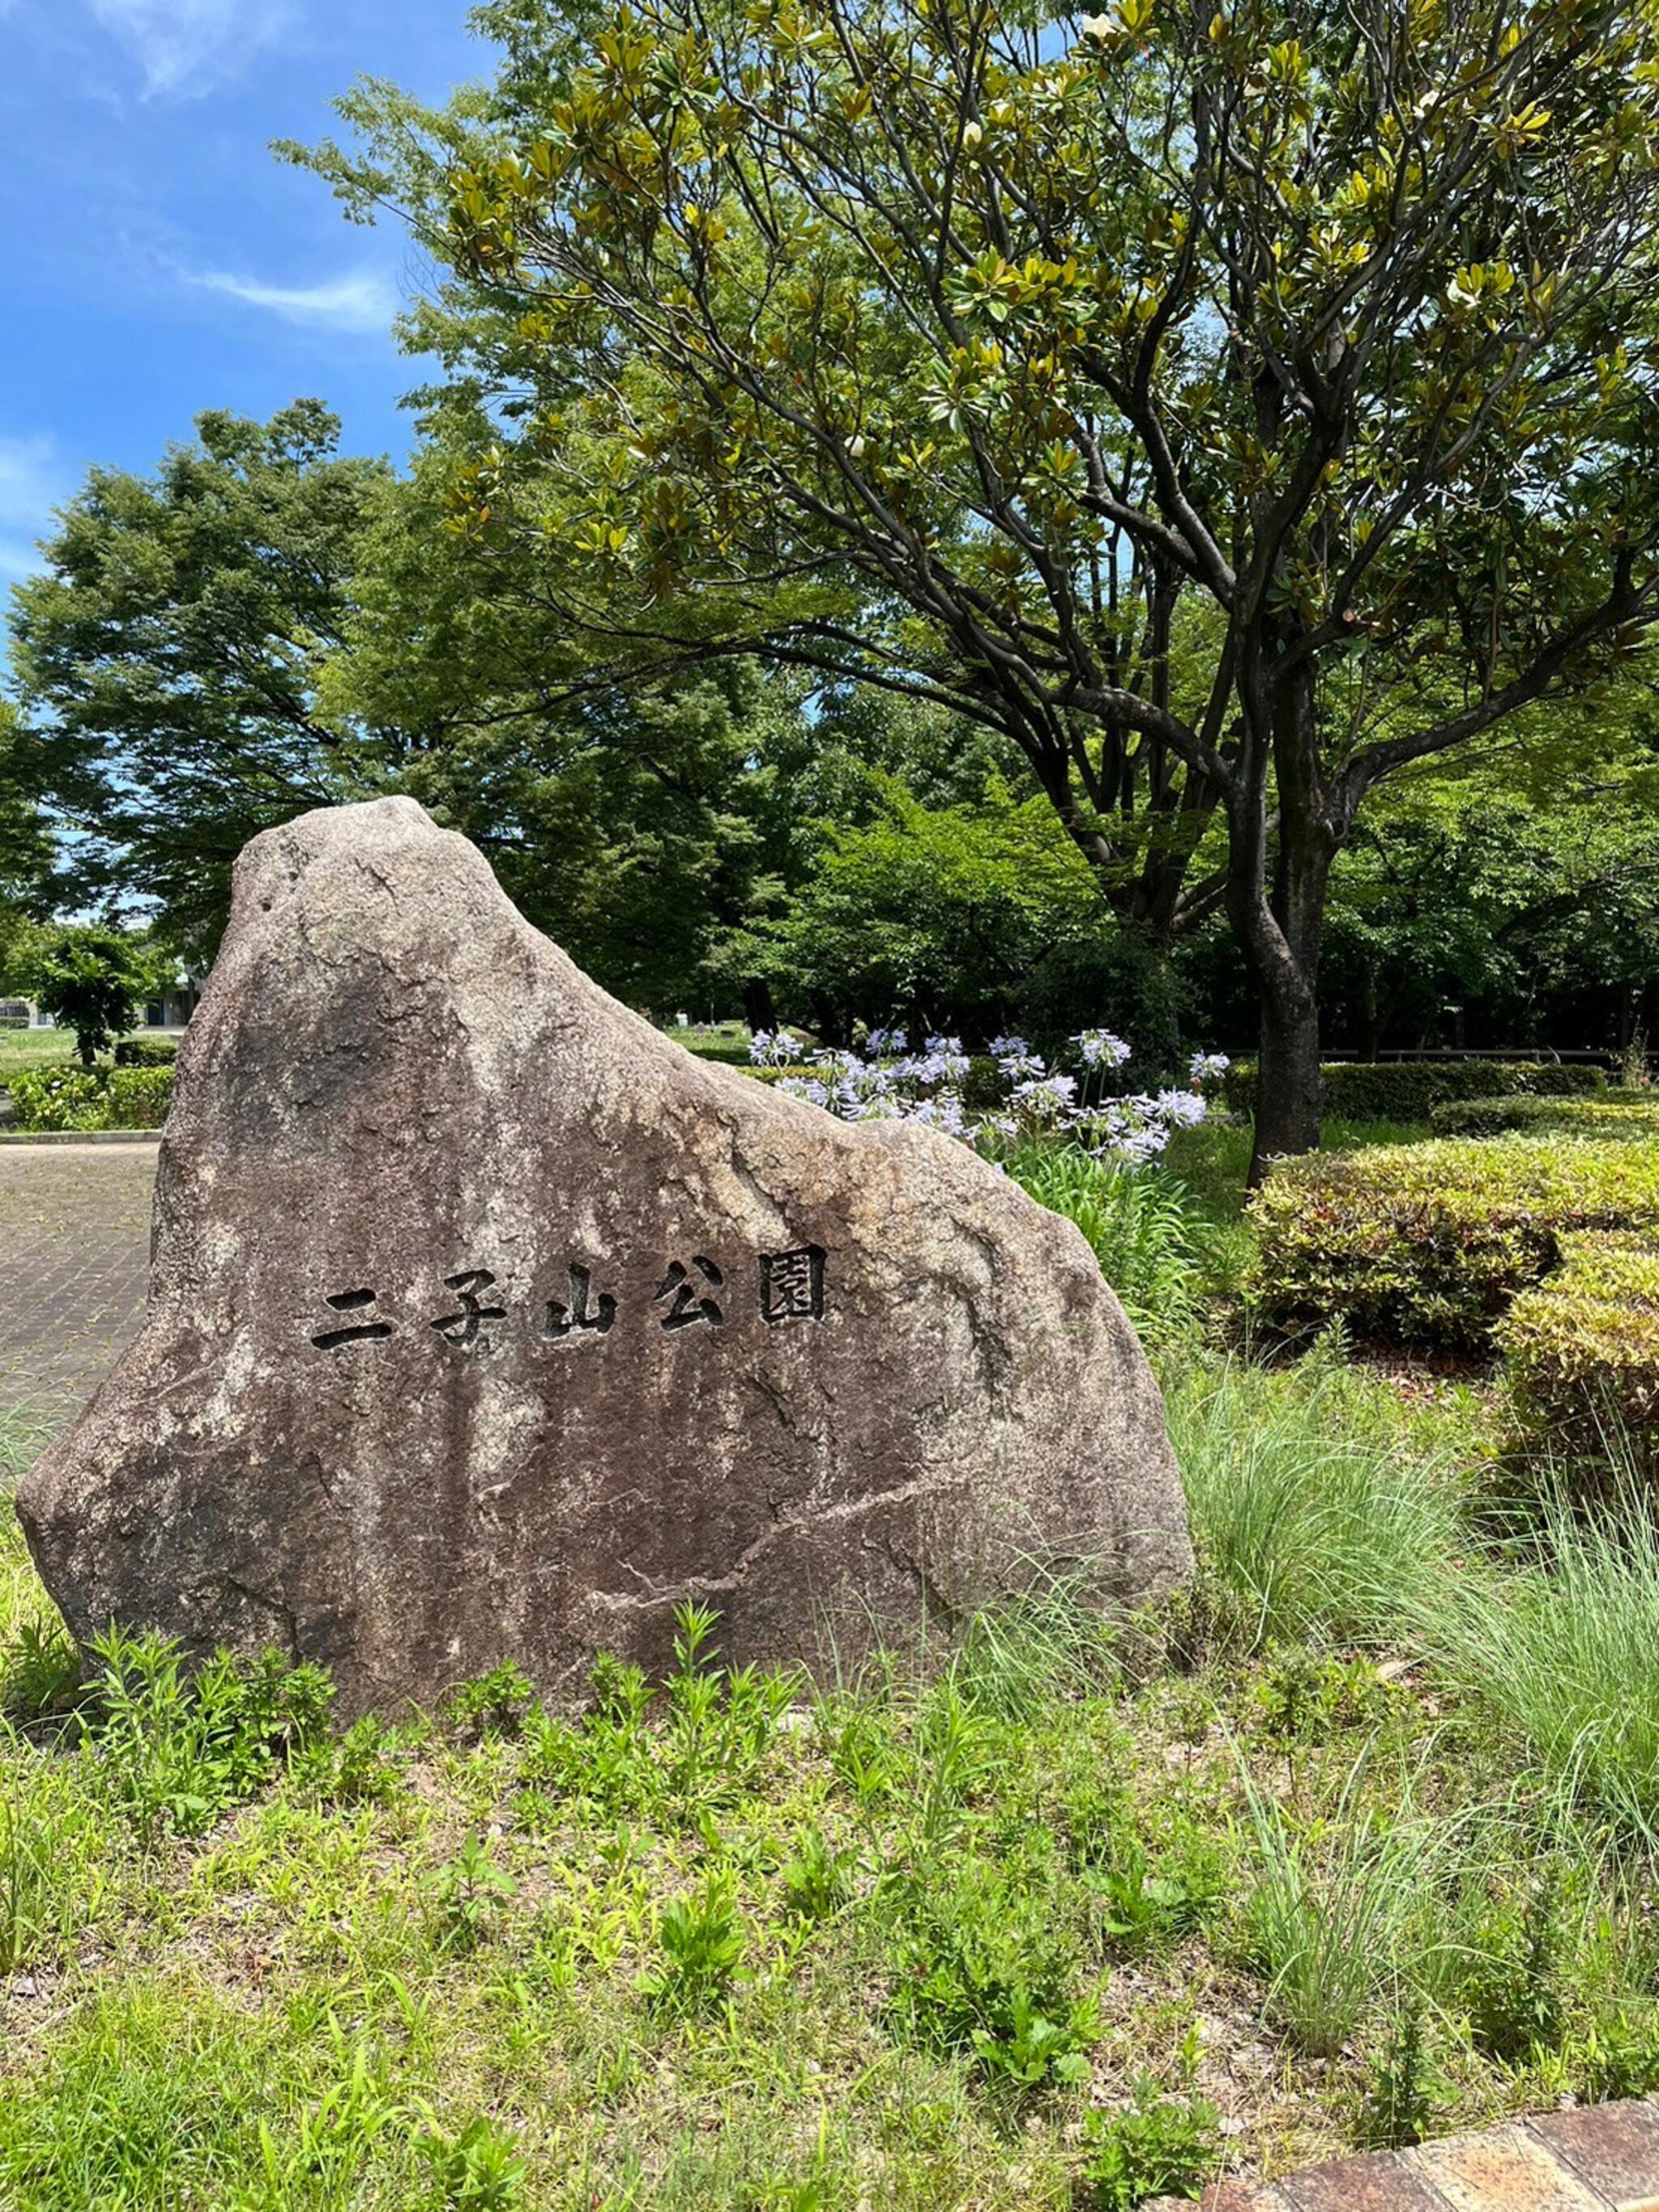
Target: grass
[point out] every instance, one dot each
(1563, 1649)
(1353, 1842)
(1151, 1242)
(1321, 1506)
(24, 1048)
(923, 1940)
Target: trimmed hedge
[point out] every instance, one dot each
(1428, 1243)
(1630, 1115)
(145, 1052)
(91, 1097)
(1582, 1349)
(728, 1052)
(1409, 1089)
(775, 1074)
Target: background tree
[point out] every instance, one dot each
(168, 656)
(925, 348)
(26, 847)
(88, 976)
(1509, 894)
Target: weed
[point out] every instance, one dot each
(985, 1965)
(1513, 1990)
(1158, 2146)
(1305, 1697)
(701, 1941)
(1140, 1909)
(492, 1705)
(1406, 2084)
(41, 1672)
(479, 2170)
(177, 1750)
(367, 1764)
(720, 1725)
(470, 1893)
(23, 1873)
(817, 1881)
(1619, 2055)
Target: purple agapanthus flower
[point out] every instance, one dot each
(1100, 1048)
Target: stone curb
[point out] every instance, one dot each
(1596, 2158)
(80, 1136)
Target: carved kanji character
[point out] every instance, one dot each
(688, 1308)
(792, 1284)
(463, 1328)
(562, 1319)
(362, 1332)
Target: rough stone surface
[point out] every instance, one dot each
(384, 1412)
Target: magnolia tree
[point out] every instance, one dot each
(1230, 405)
(888, 1082)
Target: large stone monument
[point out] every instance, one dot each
(488, 1323)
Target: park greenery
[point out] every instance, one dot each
(934, 518)
(974, 567)
(1351, 1844)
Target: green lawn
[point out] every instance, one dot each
(24, 1048)
(1350, 1843)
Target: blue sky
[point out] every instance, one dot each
(155, 259)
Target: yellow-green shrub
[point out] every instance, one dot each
(1583, 1347)
(1409, 1089)
(1631, 1115)
(1428, 1243)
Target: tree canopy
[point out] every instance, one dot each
(170, 652)
(943, 348)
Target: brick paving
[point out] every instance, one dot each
(1597, 2158)
(74, 1232)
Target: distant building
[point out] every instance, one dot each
(171, 1010)
(174, 1009)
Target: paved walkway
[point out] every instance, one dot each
(75, 1231)
(1599, 2158)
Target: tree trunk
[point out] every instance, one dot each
(1290, 1088)
(758, 1010)
(1280, 929)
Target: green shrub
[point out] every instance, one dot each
(1428, 1243)
(1582, 1349)
(1632, 1115)
(1409, 1089)
(91, 1097)
(145, 1052)
(138, 1098)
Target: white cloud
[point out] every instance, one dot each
(365, 302)
(187, 46)
(32, 481)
